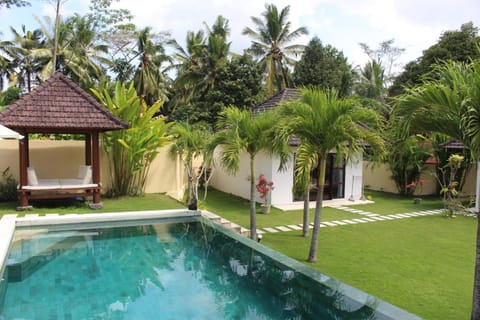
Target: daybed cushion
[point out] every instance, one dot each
(85, 174)
(84, 180)
(32, 176)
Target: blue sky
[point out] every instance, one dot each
(415, 25)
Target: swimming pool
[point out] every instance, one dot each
(173, 268)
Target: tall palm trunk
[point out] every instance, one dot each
(253, 220)
(306, 212)
(55, 45)
(476, 282)
(29, 82)
(312, 256)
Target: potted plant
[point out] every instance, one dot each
(264, 188)
(412, 186)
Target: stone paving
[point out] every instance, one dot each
(368, 217)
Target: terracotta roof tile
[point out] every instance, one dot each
(59, 105)
(287, 94)
(453, 144)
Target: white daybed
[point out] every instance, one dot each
(81, 186)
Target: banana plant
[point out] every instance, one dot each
(132, 151)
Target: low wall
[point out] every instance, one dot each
(378, 177)
(61, 159)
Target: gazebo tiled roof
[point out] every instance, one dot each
(453, 144)
(59, 105)
(287, 94)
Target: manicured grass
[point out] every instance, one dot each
(388, 203)
(146, 202)
(238, 210)
(424, 265)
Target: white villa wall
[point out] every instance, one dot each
(283, 180)
(239, 184)
(354, 178)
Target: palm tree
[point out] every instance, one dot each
(372, 81)
(271, 44)
(204, 55)
(27, 68)
(216, 53)
(324, 123)
(241, 132)
(149, 79)
(78, 53)
(6, 65)
(449, 104)
(199, 64)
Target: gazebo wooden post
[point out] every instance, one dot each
(88, 149)
(24, 163)
(97, 204)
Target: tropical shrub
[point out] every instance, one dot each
(131, 151)
(8, 186)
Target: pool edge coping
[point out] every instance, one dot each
(29, 221)
(7, 229)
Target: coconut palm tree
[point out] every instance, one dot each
(241, 132)
(6, 65)
(199, 64)
(325, 123)
(203, 56)
(448, 104)
(149, 79)
(271, 44)
(78, 53)
(372, 81)
(27, 67)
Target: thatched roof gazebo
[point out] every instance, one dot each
(59, 106)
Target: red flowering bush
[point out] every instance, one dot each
(412, 186)
(264, 187)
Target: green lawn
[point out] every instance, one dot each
(424, 265)
(383, 203)
(146, 202)
(238, 210)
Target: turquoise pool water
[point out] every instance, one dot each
(168, 270)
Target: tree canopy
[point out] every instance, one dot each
(457, 45)
(324, 67)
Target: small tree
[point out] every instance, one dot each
(242, 132)
(8, 186)
(449, 184)
(406, 159)
(132, 151)
(191, 143)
